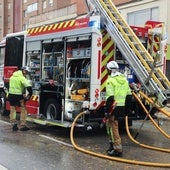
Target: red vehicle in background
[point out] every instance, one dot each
(2, 92)
(11, 58)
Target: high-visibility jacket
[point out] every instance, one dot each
(18, 83)
(118, 87)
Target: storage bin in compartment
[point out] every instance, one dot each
(34, 63)
(79, 52)
(77, 97)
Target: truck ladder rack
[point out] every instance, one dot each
(143, 64)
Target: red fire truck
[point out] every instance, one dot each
(12, 55)
(68, 75)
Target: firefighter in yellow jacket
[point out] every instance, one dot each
(17, 86)
(117, 90)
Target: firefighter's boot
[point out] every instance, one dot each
(115, 153)
(15, 127)
(110, 146)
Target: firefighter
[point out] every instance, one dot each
(18, 84)
(117, 90)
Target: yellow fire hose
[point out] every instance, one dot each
(151, 101)
(143, 145)
(148, 114)
(142, 163)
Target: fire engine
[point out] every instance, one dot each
(67, 62)
(12, 54)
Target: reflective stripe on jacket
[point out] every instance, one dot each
(118, 87)
(18, 83)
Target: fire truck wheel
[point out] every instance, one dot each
(52, 110)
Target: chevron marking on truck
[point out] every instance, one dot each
(62, 26)
(154, 44)
(107, 55)
(34, 98)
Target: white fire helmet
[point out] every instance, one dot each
(26, 68)
(112, 65)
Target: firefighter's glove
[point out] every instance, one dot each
(102, 125)
(103, 122)
(107, 115)
(27, 97)
(29, 89)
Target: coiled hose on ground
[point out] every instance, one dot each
(148, 114)
(123, 160)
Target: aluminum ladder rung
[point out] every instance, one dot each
(129, 35)
(142, 52)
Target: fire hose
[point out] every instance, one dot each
(123, 160)
(154, 123)
(150, 117)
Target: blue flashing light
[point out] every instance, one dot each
(94, 24)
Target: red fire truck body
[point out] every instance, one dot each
(68, 74)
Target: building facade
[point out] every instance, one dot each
(50, 11)
(138, 12)
(18, 15)
(6, 17)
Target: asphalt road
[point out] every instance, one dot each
(50, 148)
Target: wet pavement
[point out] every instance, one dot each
(49, 148)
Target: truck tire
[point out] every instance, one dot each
(52, 110)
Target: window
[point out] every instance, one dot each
(32, 7)
(25, 26)
(14, 47)
(139, 18)
(50, 2)
(9, 5)
(9, 18)
(2, 54)
(9, 30)
(44, 4)
(25, 13)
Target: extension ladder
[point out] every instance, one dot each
(136, 55)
